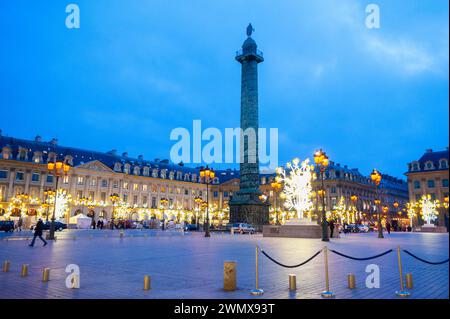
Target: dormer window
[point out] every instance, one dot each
(179, 176)
(136, 170)
(6, 153)
(117, 167)
(155, 173)
(69, 159)
(126, 168)
(171, 175)
(51, 157)
(163, 173)
(186, 177)
(429, 165)
(443, 164)
(145, 171)
(37, 157)
(22, 154)
(415, 167)
(194, 178)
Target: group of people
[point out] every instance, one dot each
(99, 225)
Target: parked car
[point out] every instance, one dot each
(243, 228)
(58, 226)
(7, 225)
(190, 227)
(363, 228)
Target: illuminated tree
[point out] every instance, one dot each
(297, 188)
(428, 208)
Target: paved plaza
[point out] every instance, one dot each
(191, 266)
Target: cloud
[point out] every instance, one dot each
(405, 56)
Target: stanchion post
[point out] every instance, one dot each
(292, 282)
(6, 265)
(147, 282)
(257, 291)
(46, 275)
(402, 292)
(327, 293)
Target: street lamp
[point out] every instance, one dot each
(57, 169)
(206, 176)
(163, 202)
(47, 194)
(198, 200)
(114, 198)
(375, 176)
(276, 186)
(321, 160)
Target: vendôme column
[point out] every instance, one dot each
(246, 205)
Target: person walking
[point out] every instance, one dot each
(331, 225)
(388, 227)
(38, 232)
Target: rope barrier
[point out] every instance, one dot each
(366, 258)
(292, 266)
(426, 261)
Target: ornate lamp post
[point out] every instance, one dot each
(198, 201)
(57, 169)
(163, 202)
(354, 199)
(206, 176)
(276, 186)
(321, 160)
(375, 176)
(47, 194)
(114, 198)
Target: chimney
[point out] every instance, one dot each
(38, 138)
(124, 154)
(54, 141)
(429, 150)
(345, 166)
(112, 152)
(141, 157)
(338, 164)
(181, 163)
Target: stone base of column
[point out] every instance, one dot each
(256, 214)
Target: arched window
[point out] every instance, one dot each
(443, 163)
(171, 175)
(145, 171)
(429, 165)
(126, 168)
(118, 167)
(155, 173)
(136, 170)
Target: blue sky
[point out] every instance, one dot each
(135, 70)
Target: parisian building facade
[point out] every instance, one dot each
(429, 175)
(143, 184)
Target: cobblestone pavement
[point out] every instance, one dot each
(191, 266)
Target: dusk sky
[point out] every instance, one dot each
(135, 70)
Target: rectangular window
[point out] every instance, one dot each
(135, 200)
(153, 202)
(66, 179)
(125, 197)
(416, 184)
(79, 194)
(445, 183)
(333, 190)
(144, 187)
(135, 187)
(163, 189)
(49, 178)
(430, 183)
(35, 177)
(186, 192)
(19, 176)
(215, 194)
(104, 183)
(93, 182)
(144, 201)
(125, 185)
(103, 197)
(91, 195)
(3, 174)
(80, 180)
(225, 194)
(115, 184)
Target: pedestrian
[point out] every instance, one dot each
(98, 224)
(19, 224)
(38, 232)
(331, 225)
(388, 227)
(93, 223)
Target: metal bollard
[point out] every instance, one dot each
(24, 271)
(46, 275)
(257, 291)
(327, 293)
(402, 292)
(229, 275)
(292, 282)
(409, 281)
(351, 281)
(147, 282)
(6, 265)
